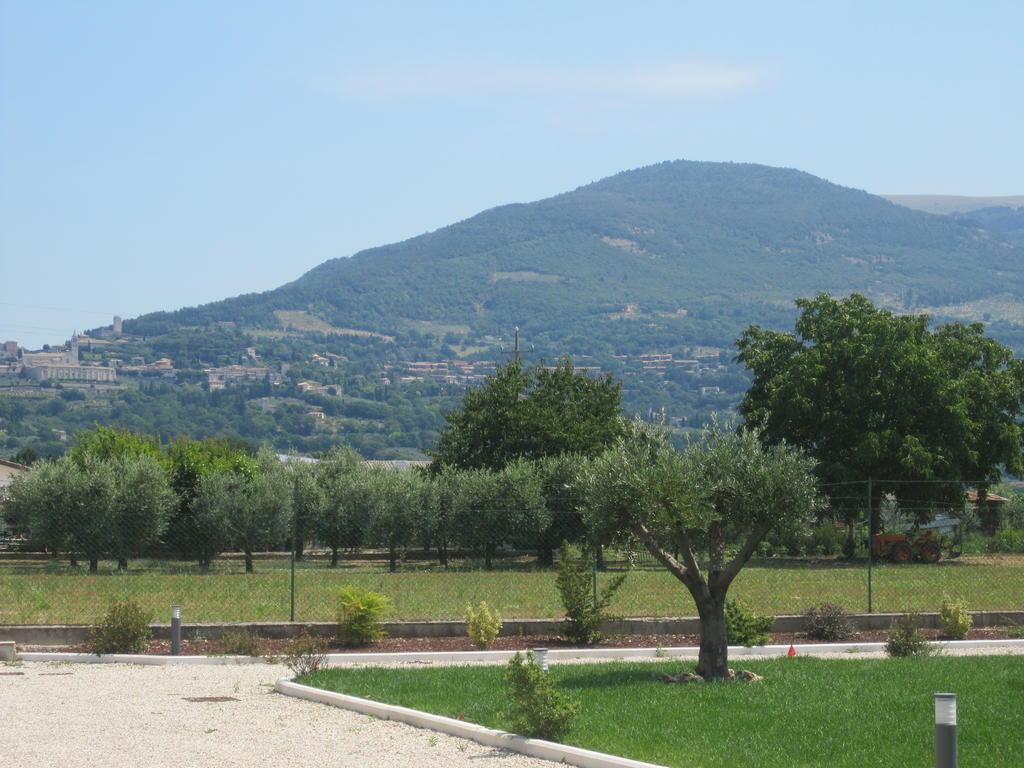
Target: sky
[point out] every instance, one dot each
(155, 155)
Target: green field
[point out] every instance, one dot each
(807, 711)
(41, 591)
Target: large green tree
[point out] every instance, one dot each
(700, 512)
(871, 394)
(530, 413)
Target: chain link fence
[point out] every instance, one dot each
(433, 557)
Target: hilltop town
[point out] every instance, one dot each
(300, 396)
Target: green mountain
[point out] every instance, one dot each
(649, 275)
(1003, 220)
(679, 250)
(955, 203)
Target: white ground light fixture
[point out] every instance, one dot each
(945, 730)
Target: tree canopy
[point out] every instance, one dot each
(700, 512)
(871, 394)
(530, 413)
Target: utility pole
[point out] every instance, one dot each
(515, 350)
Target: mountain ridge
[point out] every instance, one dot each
(665, 238)
(649, 275)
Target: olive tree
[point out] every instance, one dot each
(493, 508)
(711, 504)
(142, 504)
(250, 505)
(395, 497)
(93, 508)
(336, 501)
(438, 525)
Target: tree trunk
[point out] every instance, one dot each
(248, 561)
(392, 559)
(488, 554)
(122, 564)
(334, 557)
(94, 565)
(713, 658)
(442, 554)
(546, 555)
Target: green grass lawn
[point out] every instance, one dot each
(40, 591)
(807, 712)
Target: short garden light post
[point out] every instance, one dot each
(542, 657)
(175, 630)
(945, 730)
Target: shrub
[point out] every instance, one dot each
(482, 625)
(305, 654)
(956, 620)
(359, 615)
(743, 627)
(538, 708)
(583, 613)
(236, 641)
(906, 639)
(124, 629)
(1006, 540)
(828, 622)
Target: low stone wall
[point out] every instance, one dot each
(70, 634)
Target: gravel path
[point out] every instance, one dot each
(85, 715)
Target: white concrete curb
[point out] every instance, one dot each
(496, 657)
(137, 658)
(545, 750)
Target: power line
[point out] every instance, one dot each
(57, 309)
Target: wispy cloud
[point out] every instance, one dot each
(673, 80)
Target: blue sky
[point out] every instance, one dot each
(155, 155)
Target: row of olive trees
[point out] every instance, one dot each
(120, 496)
(92, 506)
(343, 504)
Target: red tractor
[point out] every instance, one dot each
(900, 548)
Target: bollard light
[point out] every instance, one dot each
(542, 657)
(175, 630)
(945, 730)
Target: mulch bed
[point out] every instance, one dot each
(270, 647)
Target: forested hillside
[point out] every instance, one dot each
(649, 275)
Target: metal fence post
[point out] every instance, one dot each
(295, 530)
(871, 554)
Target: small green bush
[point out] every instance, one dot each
(359, 615)
(574, 582)
(1007, 540)
(828, 622)
(236, 641)
(305, 654)
(482, 625)
(538, 708)
(124, 629)
(956, 619)
(906, 638)
(743, 627)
